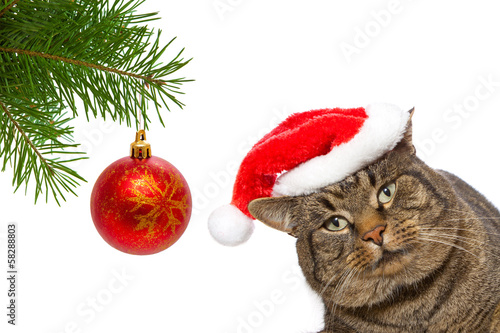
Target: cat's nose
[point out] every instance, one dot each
(375, 235)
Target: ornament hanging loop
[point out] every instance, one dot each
(140, 148)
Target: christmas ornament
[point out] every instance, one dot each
(308, 151)
(141, 204)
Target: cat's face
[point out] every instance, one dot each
(363, 239)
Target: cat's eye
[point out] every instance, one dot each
(336, 223)
(387, 193)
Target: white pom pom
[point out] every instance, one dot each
(229, 226)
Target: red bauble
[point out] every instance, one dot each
(141, 205)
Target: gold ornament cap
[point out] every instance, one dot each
(140, 148)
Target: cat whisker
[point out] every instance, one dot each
(340, 282)
(344, 272)
(339, 292)
(449, 244)
(343, 276)
(460, 211)
(346, 280)
(454, 235)
(479, 218)
(430, 227)
(480, 245)
(459, 234)
(472, 214)
(480, 242)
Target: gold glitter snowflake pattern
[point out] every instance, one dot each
(160, 201)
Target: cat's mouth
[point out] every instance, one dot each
(390, 256)
(391, 262)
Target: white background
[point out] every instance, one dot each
(255, 62)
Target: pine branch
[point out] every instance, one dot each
(27, 144)
(75, 62)
(54, 52)
(7, 7)
(26, 138)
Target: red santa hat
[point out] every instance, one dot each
(303, 154)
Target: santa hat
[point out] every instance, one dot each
(303, 154)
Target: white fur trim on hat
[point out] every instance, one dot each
(382, 130)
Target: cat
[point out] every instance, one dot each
(396, 247)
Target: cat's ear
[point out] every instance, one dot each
(275, 212)
(406, 144)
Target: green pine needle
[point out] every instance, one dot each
(54, 52)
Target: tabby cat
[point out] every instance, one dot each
(396, 247)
